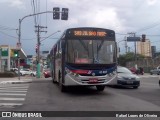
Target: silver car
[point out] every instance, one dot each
(127, 78)
(155, 71)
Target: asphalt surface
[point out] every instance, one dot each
(43, 95)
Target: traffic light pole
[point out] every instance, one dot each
(19, 36)
(64, 17)
(38, 54)
(19, 65)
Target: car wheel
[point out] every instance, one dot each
(151, 73)
(100, 87)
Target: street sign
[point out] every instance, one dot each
(4, 51)
(133, 39)
(45, 52)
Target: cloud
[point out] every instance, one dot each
(14, 3)
(151, 2)
(106, 18)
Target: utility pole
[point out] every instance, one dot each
(125, 39)
(38, 49)
(133, 34)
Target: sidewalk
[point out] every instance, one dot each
(23, 80)
(15, 80)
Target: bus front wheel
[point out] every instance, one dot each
(100, 87)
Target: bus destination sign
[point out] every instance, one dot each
(90, 33)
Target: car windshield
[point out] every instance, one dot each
(123, 70)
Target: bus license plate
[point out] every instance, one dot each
(93, 80)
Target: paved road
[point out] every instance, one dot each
(12, 95)
(46, 96)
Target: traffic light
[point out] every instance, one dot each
(16, 53)
(36, 48)
(56, 13)
(64, 15)
(143, 37)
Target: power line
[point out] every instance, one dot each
(121, 33)
(149, 27)
(7, 28)
(16, 37)
(46, 10)
(8, 35)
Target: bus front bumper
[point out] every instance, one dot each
(71, 80)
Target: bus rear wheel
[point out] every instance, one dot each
(61, 86)
(100, 87)
(53, 79)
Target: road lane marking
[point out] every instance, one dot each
(13, 94)
(13, 89)
(10, 104)
(4, 91)
(18, 99)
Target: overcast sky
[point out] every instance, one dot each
(123, 16)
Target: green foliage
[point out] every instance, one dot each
(123, 59)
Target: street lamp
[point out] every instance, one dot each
(118, 51)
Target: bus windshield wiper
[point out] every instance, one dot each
(83, 45)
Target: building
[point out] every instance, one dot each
(144, 48)
(153, 49)
(7, 58)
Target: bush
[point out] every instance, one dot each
(8, 74)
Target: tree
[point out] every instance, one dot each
(130, 56)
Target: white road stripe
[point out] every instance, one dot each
(11, 104)
(19, 99)
(13, 91)
(14, 84)
(12, 87)
(13, 94)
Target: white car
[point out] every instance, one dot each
(33, 73)
(25, 72)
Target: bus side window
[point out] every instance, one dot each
(56, 51)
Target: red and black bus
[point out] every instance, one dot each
(84, 56)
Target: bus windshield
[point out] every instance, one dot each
(90, 51)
